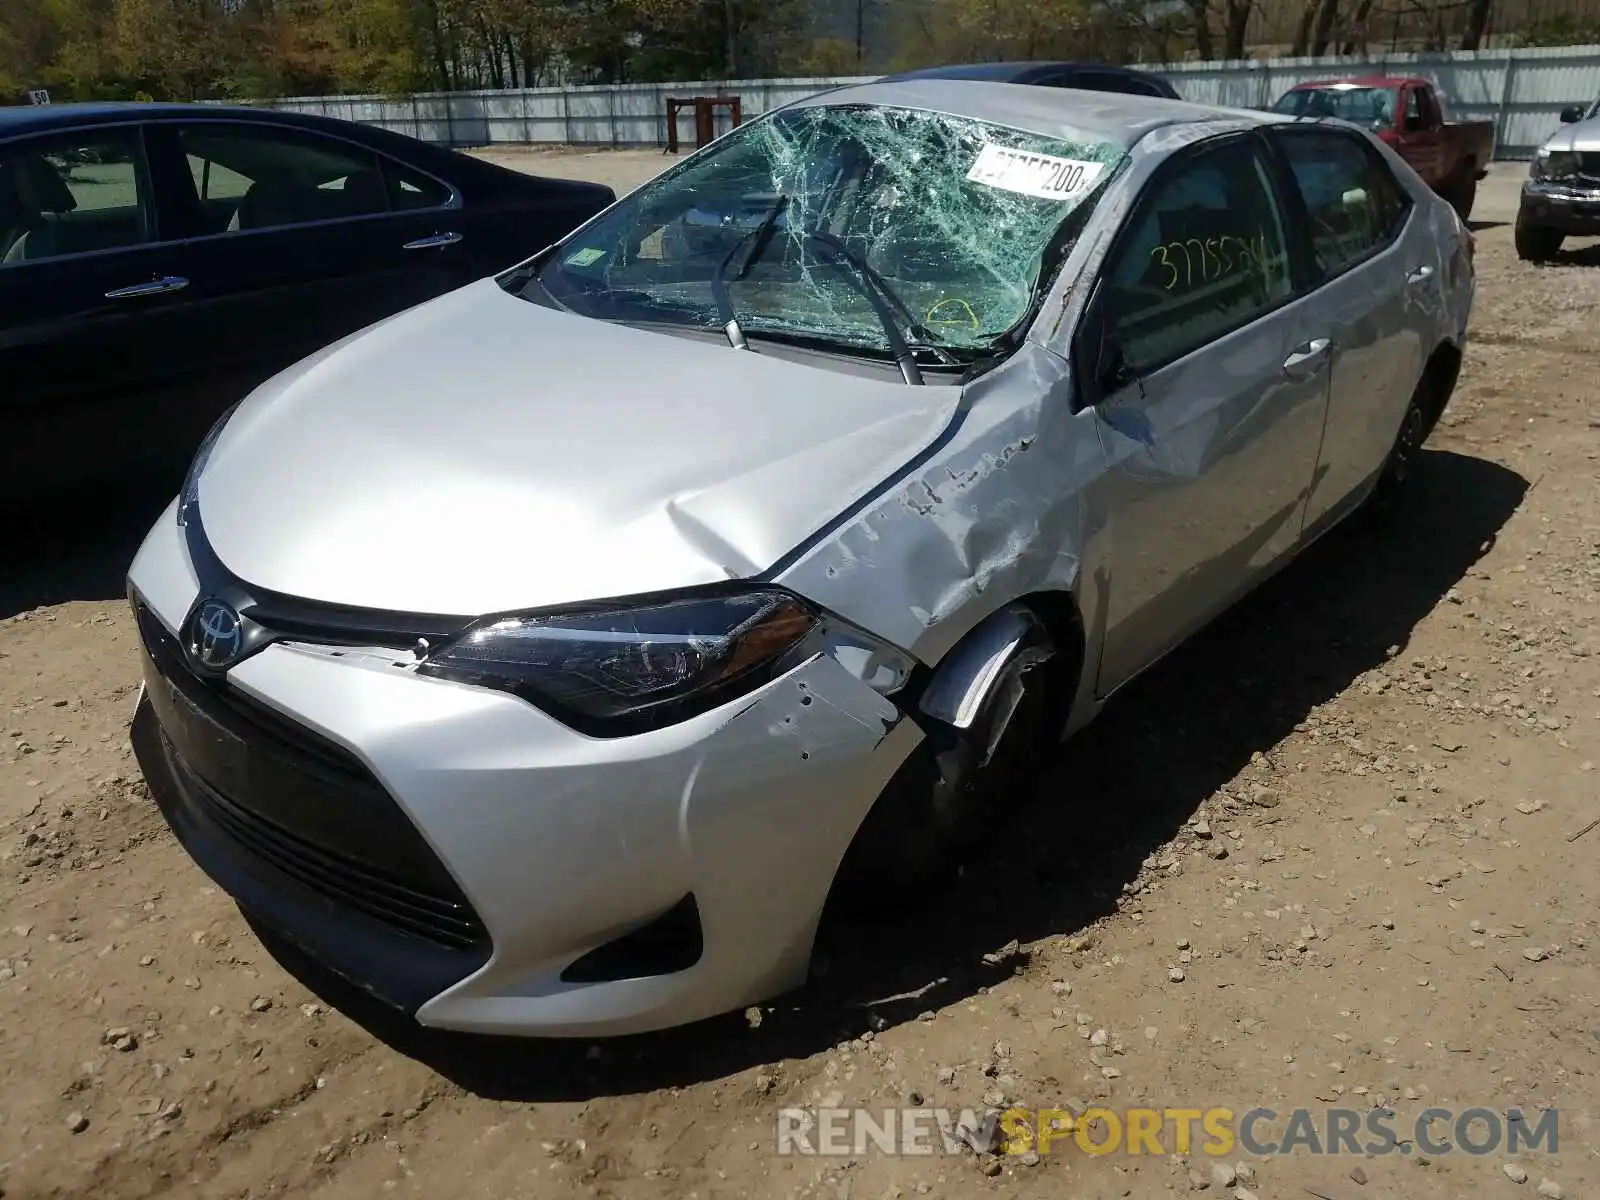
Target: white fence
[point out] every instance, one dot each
(1521, 91)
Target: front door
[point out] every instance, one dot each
(1211, 440)
(92, 312)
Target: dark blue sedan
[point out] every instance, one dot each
(159, 261)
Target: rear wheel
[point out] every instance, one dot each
(1398, 467)
(1535, 243)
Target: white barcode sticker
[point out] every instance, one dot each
(1042, 175)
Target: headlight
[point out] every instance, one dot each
(620, 670)
(191, 484)
(1554, 165)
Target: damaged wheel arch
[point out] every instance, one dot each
(998, 701)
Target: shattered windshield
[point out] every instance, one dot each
(826, 223)
(1359, 105)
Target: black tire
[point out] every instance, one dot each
(956, 788)
(1401, 462)
(1465, 193)
(1535, 243)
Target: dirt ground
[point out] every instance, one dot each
(1331, 854)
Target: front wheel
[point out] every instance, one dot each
(1535, 243)
(957, 788)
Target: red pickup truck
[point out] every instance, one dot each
(1409, 115)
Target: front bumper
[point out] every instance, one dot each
(1568, 209)
(499, 846)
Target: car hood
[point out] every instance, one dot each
(480, 454)
(1581, 135)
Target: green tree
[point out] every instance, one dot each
(829, 56)
(947, 31)
(1559, 29)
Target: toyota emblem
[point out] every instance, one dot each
(216, 636)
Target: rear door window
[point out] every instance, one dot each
(250, 177)
(1355, 204)
(409, 189)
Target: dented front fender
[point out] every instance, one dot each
(999, 508)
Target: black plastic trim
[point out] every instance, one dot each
(270, 616)
(672, 942)
(402, 971)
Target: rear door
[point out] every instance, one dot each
(1372, 260)
(299, 238)
(93, 302)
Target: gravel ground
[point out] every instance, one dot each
(1330, 854)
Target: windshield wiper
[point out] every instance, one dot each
(879, 295)
(757, 240)
(872, 285)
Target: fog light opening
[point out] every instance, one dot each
(672, 942)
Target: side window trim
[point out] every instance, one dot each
(144, 178)
(1408, 206)
(1307, 276)
(382, 158)
(1088, 339)
(391, 167)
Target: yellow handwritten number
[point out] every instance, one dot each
(1167, 263)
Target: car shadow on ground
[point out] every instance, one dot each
(1114, 794)
(1479, 226)
(76, 548)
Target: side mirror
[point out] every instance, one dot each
(1571, 113)
(1115, 373)
(1101, 367)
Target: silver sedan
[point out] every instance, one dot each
(546, 658)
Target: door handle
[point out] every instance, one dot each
(1421, 273)
(433, 241)
(1307, 360)
(156, 287)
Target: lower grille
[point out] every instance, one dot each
(335, 876)
(299, 804)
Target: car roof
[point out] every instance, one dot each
(45, 117)
(1015, 72)
(1377, 81)
(1052, 112)
(28, 118)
